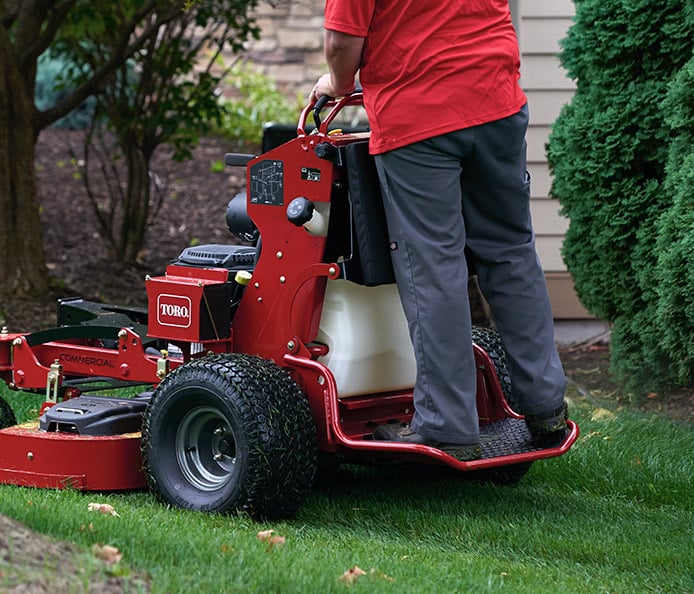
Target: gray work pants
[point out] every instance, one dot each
(469, 187)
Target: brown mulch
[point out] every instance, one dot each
(195, 197)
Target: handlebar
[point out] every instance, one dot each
(318, 107)
(315, 107)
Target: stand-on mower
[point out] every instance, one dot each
(254, 360)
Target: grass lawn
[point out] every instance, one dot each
(613, 515)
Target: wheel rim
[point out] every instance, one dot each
(206, 448)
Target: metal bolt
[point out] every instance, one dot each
(280, 255)
(332, 270)
(122, 334)
(219, 431)
(30, 455)
(283, 279)
(291, 345)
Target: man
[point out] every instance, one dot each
(448, 121)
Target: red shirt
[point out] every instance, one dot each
(431, 66)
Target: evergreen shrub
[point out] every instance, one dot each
(608, 152)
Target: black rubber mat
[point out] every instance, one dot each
(506, 437)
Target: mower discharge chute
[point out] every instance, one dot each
(253, 360)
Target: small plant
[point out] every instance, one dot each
(255, 101)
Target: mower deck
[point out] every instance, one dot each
(31, 457)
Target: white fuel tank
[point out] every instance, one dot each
(366, 331)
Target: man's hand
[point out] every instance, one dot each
(343, 54)
(324, 86)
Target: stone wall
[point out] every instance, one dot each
(290, 48)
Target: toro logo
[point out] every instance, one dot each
(174, 310)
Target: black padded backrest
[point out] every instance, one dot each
(370, 233)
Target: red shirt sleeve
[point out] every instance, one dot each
(352, 17)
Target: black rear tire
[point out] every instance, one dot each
(230, 433)
(7, 417)
(509, 474)
(490, 340)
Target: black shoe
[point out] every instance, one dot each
(402, 433)
(548, 430)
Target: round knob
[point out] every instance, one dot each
(326, 151)
(300, 211)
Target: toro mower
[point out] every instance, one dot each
(253, 361)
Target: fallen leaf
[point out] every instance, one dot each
(651, 395)
(103, 508)
(352, 574)
(265, 534)
(107, 553)
(602, 414)
(380, 575)
(268, 537)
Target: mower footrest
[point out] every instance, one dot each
(506, 437)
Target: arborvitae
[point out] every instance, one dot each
(608, 152)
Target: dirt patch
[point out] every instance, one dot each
(31, 563)
(587, 367)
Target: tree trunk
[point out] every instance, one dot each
(136, 206)
(22, 261)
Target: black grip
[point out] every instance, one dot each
(237, 159)
(318, 107)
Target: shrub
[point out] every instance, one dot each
(674, 273)
(608, 152)
(256, 100)
(50, 88)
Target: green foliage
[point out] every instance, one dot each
(608, 152)
(164, 93)
(256, 101)
(50, 88)
(674, 272)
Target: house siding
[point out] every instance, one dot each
(541, 25)
(290, 51)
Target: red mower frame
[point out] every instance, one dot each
(190, 314)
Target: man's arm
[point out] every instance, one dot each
(343, 54)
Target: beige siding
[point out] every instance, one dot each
(545, 105)
(543, 72)
(547, 8)
(541, 26)
(542, 34)
(547, 220)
